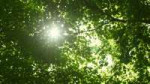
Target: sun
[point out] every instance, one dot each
(54, 32)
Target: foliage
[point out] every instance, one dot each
(107, 41)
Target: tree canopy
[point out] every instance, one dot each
(99, 41)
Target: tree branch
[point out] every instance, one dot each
(96, 9)
(85, 31)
